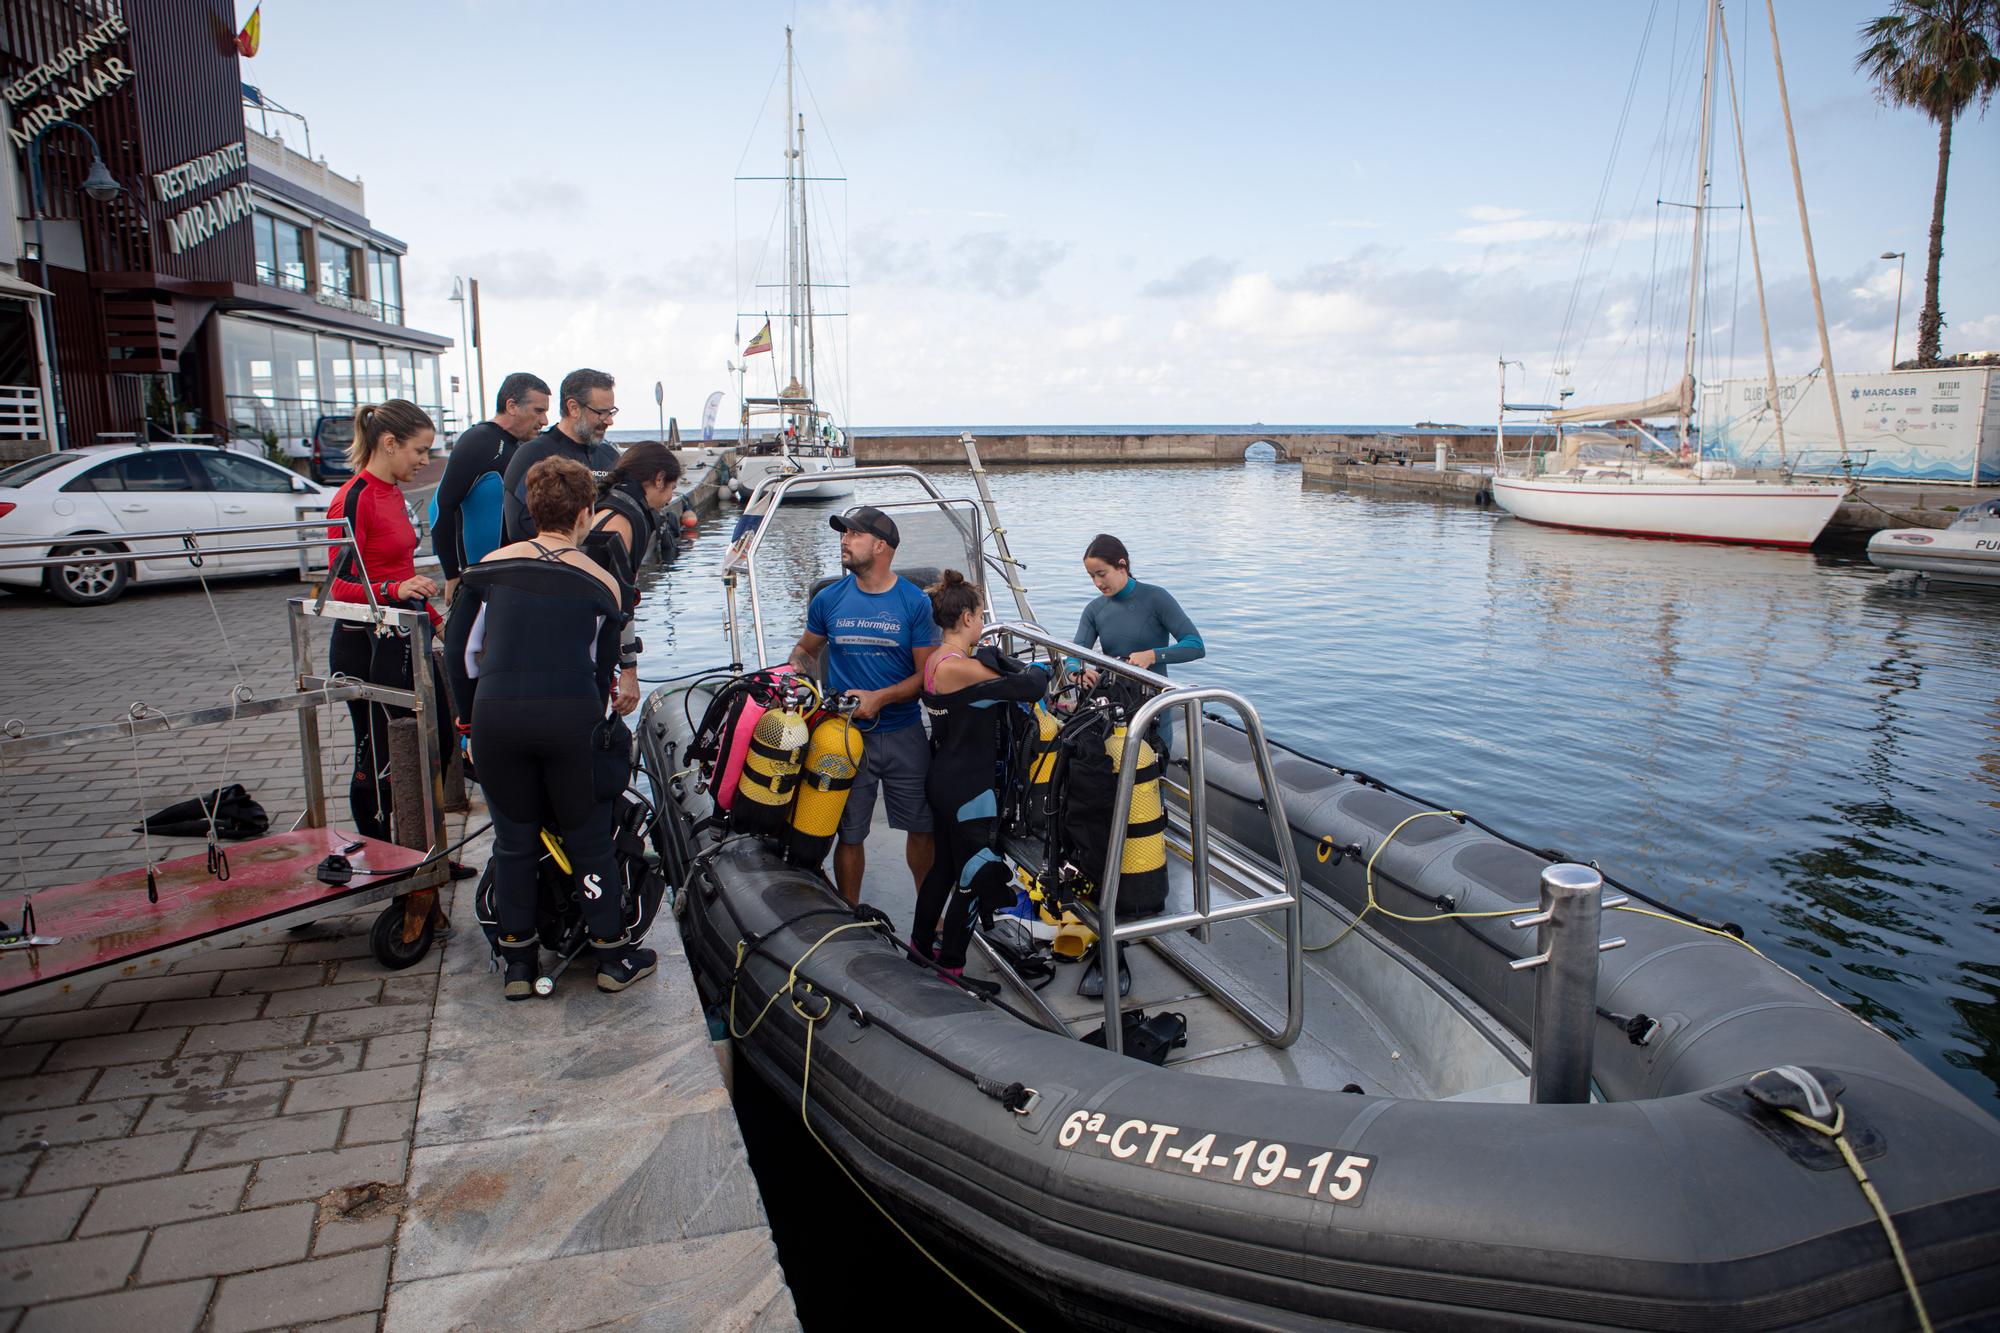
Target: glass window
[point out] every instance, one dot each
(155, 470)
(385, 285)
(397, 380)
(267, 249)
(290, 243)
(336, 376)
(424, 387)
(369, 380)
(235, 472)
(20, 474)
(337, 264)
(247, 364)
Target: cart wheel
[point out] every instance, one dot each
(386, 938)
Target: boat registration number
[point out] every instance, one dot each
(1266, 1164)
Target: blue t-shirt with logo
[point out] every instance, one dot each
(872, 638)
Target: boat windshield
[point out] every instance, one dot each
(937, 532)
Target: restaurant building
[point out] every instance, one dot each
(218, 283)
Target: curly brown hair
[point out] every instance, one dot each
(560, 492)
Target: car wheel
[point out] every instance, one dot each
(93, 584)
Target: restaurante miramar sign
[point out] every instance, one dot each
(66, 83)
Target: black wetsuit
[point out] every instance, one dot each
(516, 523)
(621, 560)
(481, 449)
(968, 742)
(532, 645)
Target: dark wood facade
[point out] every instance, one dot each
(132, 323)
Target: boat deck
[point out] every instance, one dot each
(1346, 1040)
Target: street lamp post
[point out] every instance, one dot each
(1896, 334)
(100, 185)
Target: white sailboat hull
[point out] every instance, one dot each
(1756, 513)
(754, 470)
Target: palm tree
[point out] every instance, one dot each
(1939, 56)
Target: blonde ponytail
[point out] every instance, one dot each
(399, 419)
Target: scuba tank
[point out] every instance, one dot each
(832, 760)
(775, 751)
(1142, 869)
(722, 742)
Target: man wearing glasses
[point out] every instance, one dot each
(589, 405)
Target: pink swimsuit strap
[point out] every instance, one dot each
(930, 668)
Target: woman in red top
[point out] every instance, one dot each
(391, 441)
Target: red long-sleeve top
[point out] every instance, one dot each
(386, 537)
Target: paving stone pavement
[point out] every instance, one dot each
(177, 1150)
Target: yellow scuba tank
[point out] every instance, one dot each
(1041, 766)
(1142, 870)
(770, 770)
(832, 760)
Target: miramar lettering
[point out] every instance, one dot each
(208, 218)
(89, 83)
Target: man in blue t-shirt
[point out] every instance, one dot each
(876, 628)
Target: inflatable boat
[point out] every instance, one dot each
(1968, 551)
(1413, 1074)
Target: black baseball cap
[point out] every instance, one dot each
(869, 520)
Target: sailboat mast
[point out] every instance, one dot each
(791, 225)
(806, 272)
(1756, 262)
(1702, 154)
(1805, 229)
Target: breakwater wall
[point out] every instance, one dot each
(1356, 473)
(1470, 444)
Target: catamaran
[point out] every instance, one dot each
(1637, 483)
(789, 432)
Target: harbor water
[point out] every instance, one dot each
(1784, 740)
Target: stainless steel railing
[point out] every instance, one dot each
(1265, 894)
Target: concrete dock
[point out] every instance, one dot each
(285, 1135)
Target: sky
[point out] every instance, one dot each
(1124, 213)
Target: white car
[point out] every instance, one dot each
(103, 498)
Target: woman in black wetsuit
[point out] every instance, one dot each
(967, 693)
(621, 534)
(532, 645)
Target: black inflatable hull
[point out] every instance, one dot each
(1667, 1206)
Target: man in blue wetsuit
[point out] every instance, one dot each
(876, 628)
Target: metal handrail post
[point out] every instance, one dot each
(1197, 748)
(1281, 837)
(1565, 1026)
(309, 753)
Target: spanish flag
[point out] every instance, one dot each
(246, 41)
(760, 343)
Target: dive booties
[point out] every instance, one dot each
(832, 760)
(619, 965)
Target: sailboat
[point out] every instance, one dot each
(1627, 479)
(789, 432)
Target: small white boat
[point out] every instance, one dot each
(1966, 552)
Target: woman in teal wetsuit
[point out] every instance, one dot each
(1139, 622)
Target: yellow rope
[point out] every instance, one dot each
(1834, 1132)
(1682, 921)
(812, 1023)
(805, 1083)
(790, 981)
(1373, 906)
